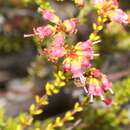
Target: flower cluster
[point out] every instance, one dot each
(66, 26)
(95, 84)
(76, 59)
(110, 9)
(56, 31)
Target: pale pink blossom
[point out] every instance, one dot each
(53, 52)
(97, 85)
(96, 73)
(57, 51)
(86, 45)
(44, 31)
(48, 15)
(67, 66)
(106, 84)
(85, 63)
(94, 89)
(59, 39)
(51, 16)
(118, 16)
(77, 71)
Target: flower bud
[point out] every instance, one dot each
(49, 15)
(44, 31)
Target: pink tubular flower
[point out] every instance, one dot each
(54, 53)
(87, 49)
(118, 16)
(71, 25)
(59, 39)
(44, 31)
(96, 73)
(49, 15)
(76, 70)
(85, 63)
(97, 85)
(55, 50)
(67, 65)
(95, 89)
(106, 84)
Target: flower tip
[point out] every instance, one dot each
(28, 35)
(108, 101)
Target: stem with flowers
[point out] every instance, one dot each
(74, 60)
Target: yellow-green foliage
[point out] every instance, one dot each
(56, 85)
